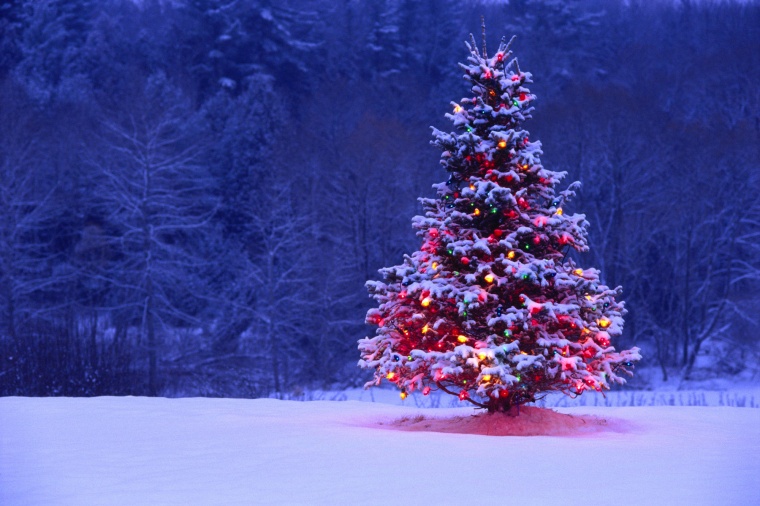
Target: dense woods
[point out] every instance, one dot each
(193, 193)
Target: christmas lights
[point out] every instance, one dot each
(501, 344)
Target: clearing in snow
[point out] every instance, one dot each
(127, 451)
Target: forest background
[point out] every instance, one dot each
(193, 193)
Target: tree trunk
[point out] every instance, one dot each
(685, 328)
(94, 339)
(270, 315)
(692, 359)
(152, 352)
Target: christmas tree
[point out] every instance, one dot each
(490, 308)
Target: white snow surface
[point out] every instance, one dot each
(131, 450)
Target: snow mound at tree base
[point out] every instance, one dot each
(530, 421)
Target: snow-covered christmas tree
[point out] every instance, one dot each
(490, 308)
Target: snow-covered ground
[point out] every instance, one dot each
(152, 451)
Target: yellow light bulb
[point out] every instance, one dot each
(391, 375)
(435, 265)
(559, 211)
(489, 278)
(486, 377)
(511, 255)
(425, 329)
(482, 356)
(403, 395)
(604, 322)
(477, 212)
(457, 108)
(578, 272)
(461, 338)
(472, 187)
(502, 144)
(525, 166)
(425, 302)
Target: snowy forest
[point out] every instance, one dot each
(193, 193)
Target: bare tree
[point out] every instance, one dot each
(158, 202)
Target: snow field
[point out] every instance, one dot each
(127, 451)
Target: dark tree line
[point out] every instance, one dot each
(193, 193)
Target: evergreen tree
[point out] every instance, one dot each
(490, 308)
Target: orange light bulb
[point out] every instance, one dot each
(511, 255)
(502, 144)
